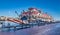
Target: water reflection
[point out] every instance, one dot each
(18, 29)
(9, 27)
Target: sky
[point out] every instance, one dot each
(8, 7)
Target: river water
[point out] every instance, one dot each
(51, 29)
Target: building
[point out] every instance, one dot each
(34, 13)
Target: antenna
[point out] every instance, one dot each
(46, 13)
(23, 11)
(16, 13)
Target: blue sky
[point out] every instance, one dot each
(52, 7)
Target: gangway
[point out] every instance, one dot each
(3, 18)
